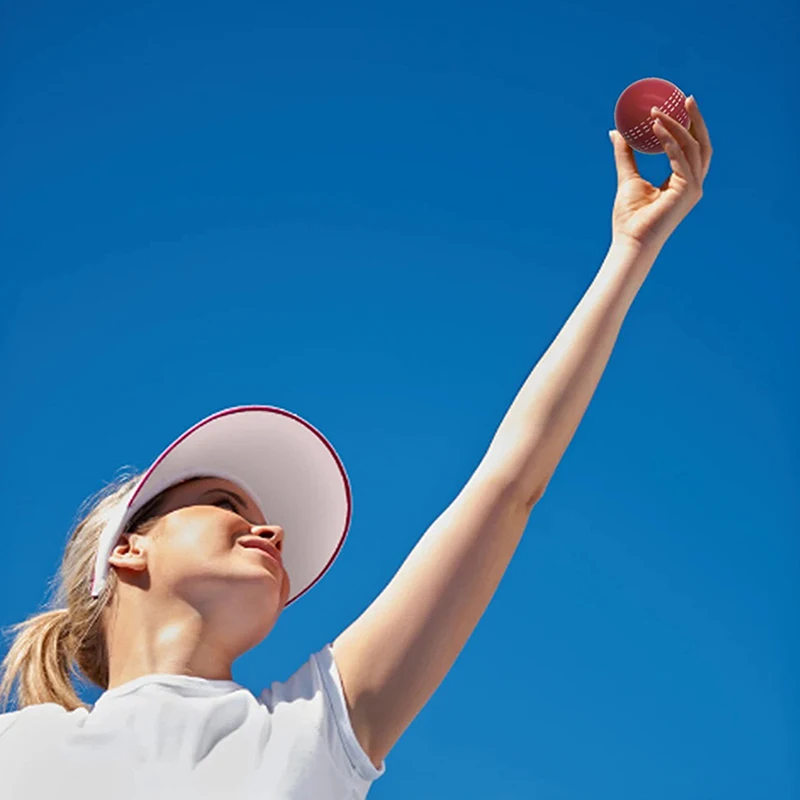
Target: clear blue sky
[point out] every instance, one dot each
(379, 216)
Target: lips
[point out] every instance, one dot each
(262, 544)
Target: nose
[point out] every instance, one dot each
(272, 533)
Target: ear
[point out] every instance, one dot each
(130, 552)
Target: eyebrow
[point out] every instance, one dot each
(233, 494)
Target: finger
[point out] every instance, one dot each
(687, 143)
(677, 157)
(700, 132)
(624, 158)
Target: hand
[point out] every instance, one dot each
(644, 215)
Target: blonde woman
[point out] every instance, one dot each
(173, 575)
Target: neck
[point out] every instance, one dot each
(179, 641)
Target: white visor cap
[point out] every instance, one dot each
(285, 464)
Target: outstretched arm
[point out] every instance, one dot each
(395, 655)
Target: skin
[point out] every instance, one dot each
(184, 582)
(394, 656)
(183, 591)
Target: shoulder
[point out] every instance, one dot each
(313, 700)
(39, 716)
(315, 681)
(301, 685)
(7, 720)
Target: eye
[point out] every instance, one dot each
(225, 502)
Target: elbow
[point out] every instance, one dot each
(531, 498)
(522, 490)
(525, 494)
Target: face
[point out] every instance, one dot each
(203, 550)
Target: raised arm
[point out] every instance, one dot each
(395, 655)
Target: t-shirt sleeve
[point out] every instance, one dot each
(334, 694)
(310, 708)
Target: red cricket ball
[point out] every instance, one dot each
(632, 112)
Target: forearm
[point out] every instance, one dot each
(545, 414)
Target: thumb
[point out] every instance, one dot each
(624, 158)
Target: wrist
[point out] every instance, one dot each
(627, 264)
(630, 248)
(632, 254)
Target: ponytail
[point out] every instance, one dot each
(68, 640)
(40, 660)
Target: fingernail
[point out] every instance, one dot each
(654, 110)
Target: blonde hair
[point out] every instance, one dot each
(68, 640)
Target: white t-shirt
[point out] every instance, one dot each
(176, 736)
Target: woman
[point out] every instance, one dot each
(176, 573)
